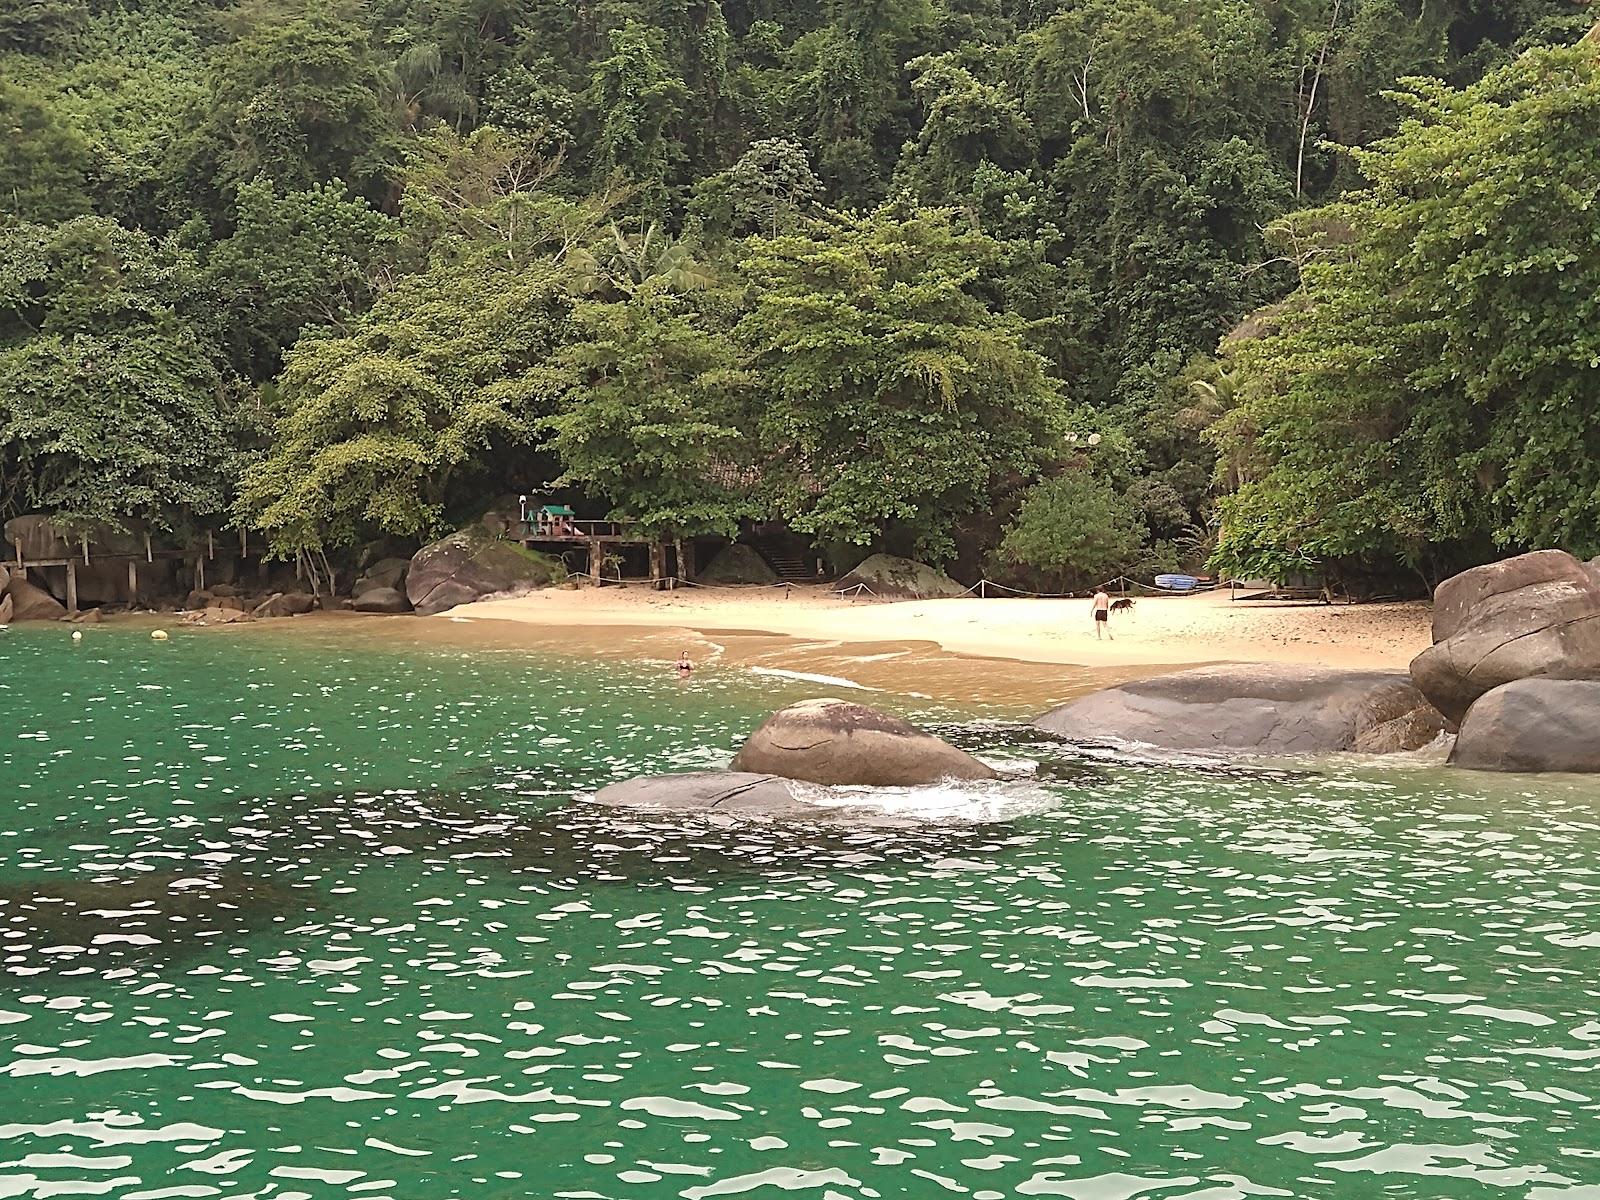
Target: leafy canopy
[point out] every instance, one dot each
(1429, 387)
(890, 395)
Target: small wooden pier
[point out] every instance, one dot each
(554, 533)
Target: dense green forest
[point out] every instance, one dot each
(1047, 288)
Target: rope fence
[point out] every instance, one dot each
(983, 589)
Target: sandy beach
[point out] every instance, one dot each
(1039, 647)
(1160, 630)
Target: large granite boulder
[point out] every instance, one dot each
(1529, 615)
(739, 794)
(837, 742)
(1539, 724)
(5, 579)
(737, 564)
(385, 573)
(285, 604)
(382, 600)
(216, 616)
(471, 565)
(37, 536)
(1255, 708)
(6, 607)
(900, 578)
(30, 603)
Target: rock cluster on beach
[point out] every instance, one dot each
(825, 742)
(1514, 671)
(1516, 659)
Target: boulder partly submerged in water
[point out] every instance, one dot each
(899, 578)
(1533, 725)
(744, 794)
(838, 743)
(1256, 709)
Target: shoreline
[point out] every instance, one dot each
(1161, 631)
(998, 657)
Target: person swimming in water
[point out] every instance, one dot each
(685, 667)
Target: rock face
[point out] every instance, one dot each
(30, 603)
(735, 564)
(1259, 709)
(902, 578)
(1533, 725)
(836, 742)
(1530, 615)
(470, 565)
(216, 616)
(285, 604)
(382, 600)
(385, 573)
(5, 610)
(739, 794)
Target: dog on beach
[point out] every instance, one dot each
(1124, 604)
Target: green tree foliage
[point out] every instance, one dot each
(639, 97)
(102, 429)
(379, 428)
(298, 100)
(892, 398)
(1072, 531)
(111, 403)
(306, 258)
(648, 416)
(1429, 387)
(339, 204)
(44, 170)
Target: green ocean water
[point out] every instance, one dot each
(313, 916)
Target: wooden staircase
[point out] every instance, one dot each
(789, 567)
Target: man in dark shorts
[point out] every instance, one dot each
(1100, 606)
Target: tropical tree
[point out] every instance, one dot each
(1428, 389)
(647, 414)
(891, 398)
(1072, 531)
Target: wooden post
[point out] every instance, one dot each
(658, 562)
(244, 542)
(85, 551)
(211, 544)
(72, 587)
(133, 581)
(199, 573)
(148, 556)
(597, 559)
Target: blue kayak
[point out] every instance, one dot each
(1177, 583)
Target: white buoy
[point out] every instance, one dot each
(159, 635)
(77, 635)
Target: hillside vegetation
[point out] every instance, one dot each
(1318, 273)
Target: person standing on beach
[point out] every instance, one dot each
(1100, 606)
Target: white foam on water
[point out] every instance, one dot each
(808, 677)
(953, 800)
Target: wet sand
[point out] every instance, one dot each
(1004, 656)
